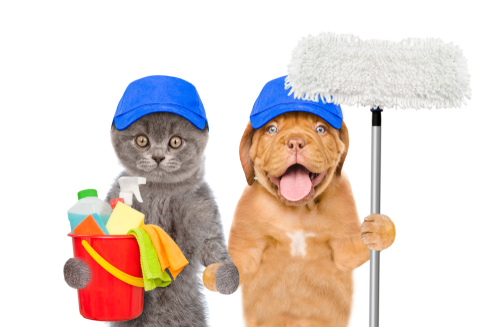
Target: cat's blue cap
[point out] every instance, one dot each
(160, 94)
(274, 101)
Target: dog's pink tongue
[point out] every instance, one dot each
(295, 184)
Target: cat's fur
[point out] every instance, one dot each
(177, 199)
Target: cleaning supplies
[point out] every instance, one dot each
(88, 226)
(100, 223)
(168, 252)
(113, 202)
(151, 270)
(130, 186)
(88, 203)
(123, 219)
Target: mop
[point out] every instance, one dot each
(379, 74)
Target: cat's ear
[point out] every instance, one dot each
(246, 160)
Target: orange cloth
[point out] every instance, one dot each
(169, 254)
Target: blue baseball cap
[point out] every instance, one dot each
(274, 100)
(160, 94)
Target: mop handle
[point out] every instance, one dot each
(375, 209)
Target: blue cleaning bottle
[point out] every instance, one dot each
(89, 204)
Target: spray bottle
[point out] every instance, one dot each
(130, 186)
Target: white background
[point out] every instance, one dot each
(64, 67)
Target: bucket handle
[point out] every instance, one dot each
(124, 277)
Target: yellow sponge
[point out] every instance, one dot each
(123, 219)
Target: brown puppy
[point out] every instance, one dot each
(296, 234)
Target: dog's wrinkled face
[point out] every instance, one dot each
(294, 156)
(163, 147)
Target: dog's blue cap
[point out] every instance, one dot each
(160, 94)
(274, 101)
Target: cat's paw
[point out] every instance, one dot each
(378, 232)
(221, 277)
(227, 278)
(76, 273)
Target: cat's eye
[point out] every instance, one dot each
(321, 129)
(142, 141)
(175, 142)
(272, 129)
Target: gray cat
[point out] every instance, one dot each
(168, 150)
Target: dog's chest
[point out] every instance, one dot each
(298, 242)
(297, 235)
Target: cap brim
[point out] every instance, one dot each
(265, 116)
(124, 121)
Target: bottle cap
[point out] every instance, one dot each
(87, 193)
(113, 202)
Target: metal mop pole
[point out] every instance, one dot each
(375, 209)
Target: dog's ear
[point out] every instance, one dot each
(246, 160)
(344, 137)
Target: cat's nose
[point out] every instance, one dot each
(158, 159)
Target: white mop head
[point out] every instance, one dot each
(413, 73)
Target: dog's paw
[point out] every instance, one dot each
(209, 276)
(76, 273)
(378, 232)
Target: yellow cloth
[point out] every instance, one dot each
(168, 252)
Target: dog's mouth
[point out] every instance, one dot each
(297, 183)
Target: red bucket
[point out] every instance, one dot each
(114, 262)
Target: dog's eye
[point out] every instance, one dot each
(175, 142)
(272, 129)
(142, 141)
(320, 129)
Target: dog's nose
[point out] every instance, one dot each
(158, 159)
(296, 143)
